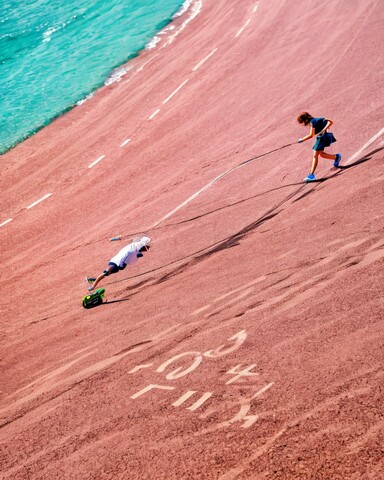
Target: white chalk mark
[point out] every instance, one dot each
(243, 28)
(154, 114)
(192, 197)
(125, 142)
(40, 200)
(96, 161)
(196, 67)
(375, 137)
(6, 221)
(175, 91)
(183, 204)
(255, 8)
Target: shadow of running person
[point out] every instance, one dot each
(359, 161)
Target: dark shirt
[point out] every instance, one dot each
(318, 124)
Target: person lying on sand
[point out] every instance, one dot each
(126, 256)
(324, 139)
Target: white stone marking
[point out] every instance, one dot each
(6, 221)
(199, 402)
(140, 367)
(154, 114)
(262, 390)
(125, 142)
(96, 161)
(243, 28)
(245, 406)
(183, 398)
(149, 388)
(241, 373)
(179, 372)
(40, 200)
(196, 67)
(239, 338)
(255, 9)
(175, 91)
(375, 137)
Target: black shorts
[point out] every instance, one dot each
(115, 269)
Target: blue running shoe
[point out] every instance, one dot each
(337, 160)
(310, 178)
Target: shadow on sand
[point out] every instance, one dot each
(233, 240)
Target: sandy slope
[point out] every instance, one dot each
(248, 343)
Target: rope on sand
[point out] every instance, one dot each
(219, 177)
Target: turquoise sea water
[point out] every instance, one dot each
(53, 53)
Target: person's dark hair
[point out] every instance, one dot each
(304, 117)
(145, 248)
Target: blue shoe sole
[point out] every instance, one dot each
(336, 163)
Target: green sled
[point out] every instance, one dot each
(93, 299)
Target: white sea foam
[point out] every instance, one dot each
(157, 38)
(83, 100)
(183, 8)
(117, 74)
(194, 6)
(48, 33)
(153, 42)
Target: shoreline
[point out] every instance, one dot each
(119, 72)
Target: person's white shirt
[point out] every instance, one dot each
(128, 254)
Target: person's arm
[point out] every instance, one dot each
(307, 137)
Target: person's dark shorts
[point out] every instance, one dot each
(115, 269)
(324, 141)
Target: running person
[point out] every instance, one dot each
(319, 127)
(126, 256)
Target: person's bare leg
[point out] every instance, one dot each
(94, 285)
(100, 277)
(315, 161)
(328, 155)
